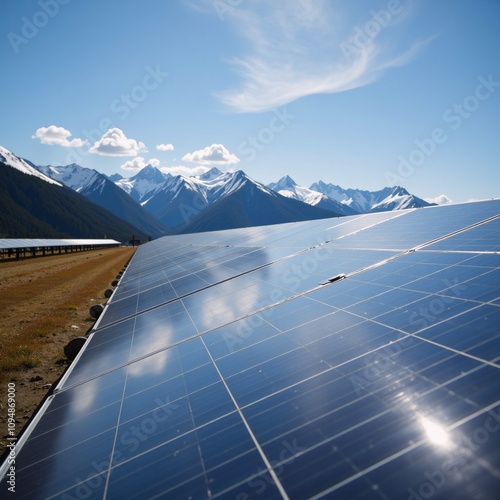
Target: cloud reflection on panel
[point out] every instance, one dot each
(161, 328)
(232, 299)
(108, 348)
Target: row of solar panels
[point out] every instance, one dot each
(356, 357)
(13, 243)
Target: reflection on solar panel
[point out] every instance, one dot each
(345, 358)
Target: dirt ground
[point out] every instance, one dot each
(44, 303)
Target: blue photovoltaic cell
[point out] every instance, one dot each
(234, 364)
(418, 227)
(483, 238)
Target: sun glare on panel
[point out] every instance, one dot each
(435, 432)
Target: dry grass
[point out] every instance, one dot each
(49, 297)
(44, 303)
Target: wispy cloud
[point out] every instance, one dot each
(298, 48)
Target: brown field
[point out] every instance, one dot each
(44, 303)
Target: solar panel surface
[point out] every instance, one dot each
(233, 365)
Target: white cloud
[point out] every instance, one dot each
(216, 153)
(58, 136)
(115, 143)
(138, 163)
(185, 171)
(298, 48)
(165, 147)
(442, 199)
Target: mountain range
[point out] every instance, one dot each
(33, 205)
(155, 203)
(99, 189)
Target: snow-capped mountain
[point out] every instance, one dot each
(229, 183)
(398, 198)
(35, 206)
(161, 203)
(286, 186)
(239, 201)
(74, 176)
(18, 163)
(99, 189)
(144, 184)
(362, 201)
(212, 174)
(177, 201)
(195, 203)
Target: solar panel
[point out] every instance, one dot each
(12, 243)
(19, 247)
(344, 358)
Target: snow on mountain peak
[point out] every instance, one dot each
(362, 201)
(286, 183)
(210, 175)
(144, 183)
(18, 163)
(74, 176)
(149, 172)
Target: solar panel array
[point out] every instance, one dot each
(12, 243)
(356, 357)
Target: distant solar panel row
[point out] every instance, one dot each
(356, 357)
(6, 243)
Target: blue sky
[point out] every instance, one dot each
(362, 94)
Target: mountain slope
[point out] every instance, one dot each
(286, 186)
(31, 207)
(180, 199)
(248, 203)
(105, 193)
(177, 201)
(10, 159)
(72, 176)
